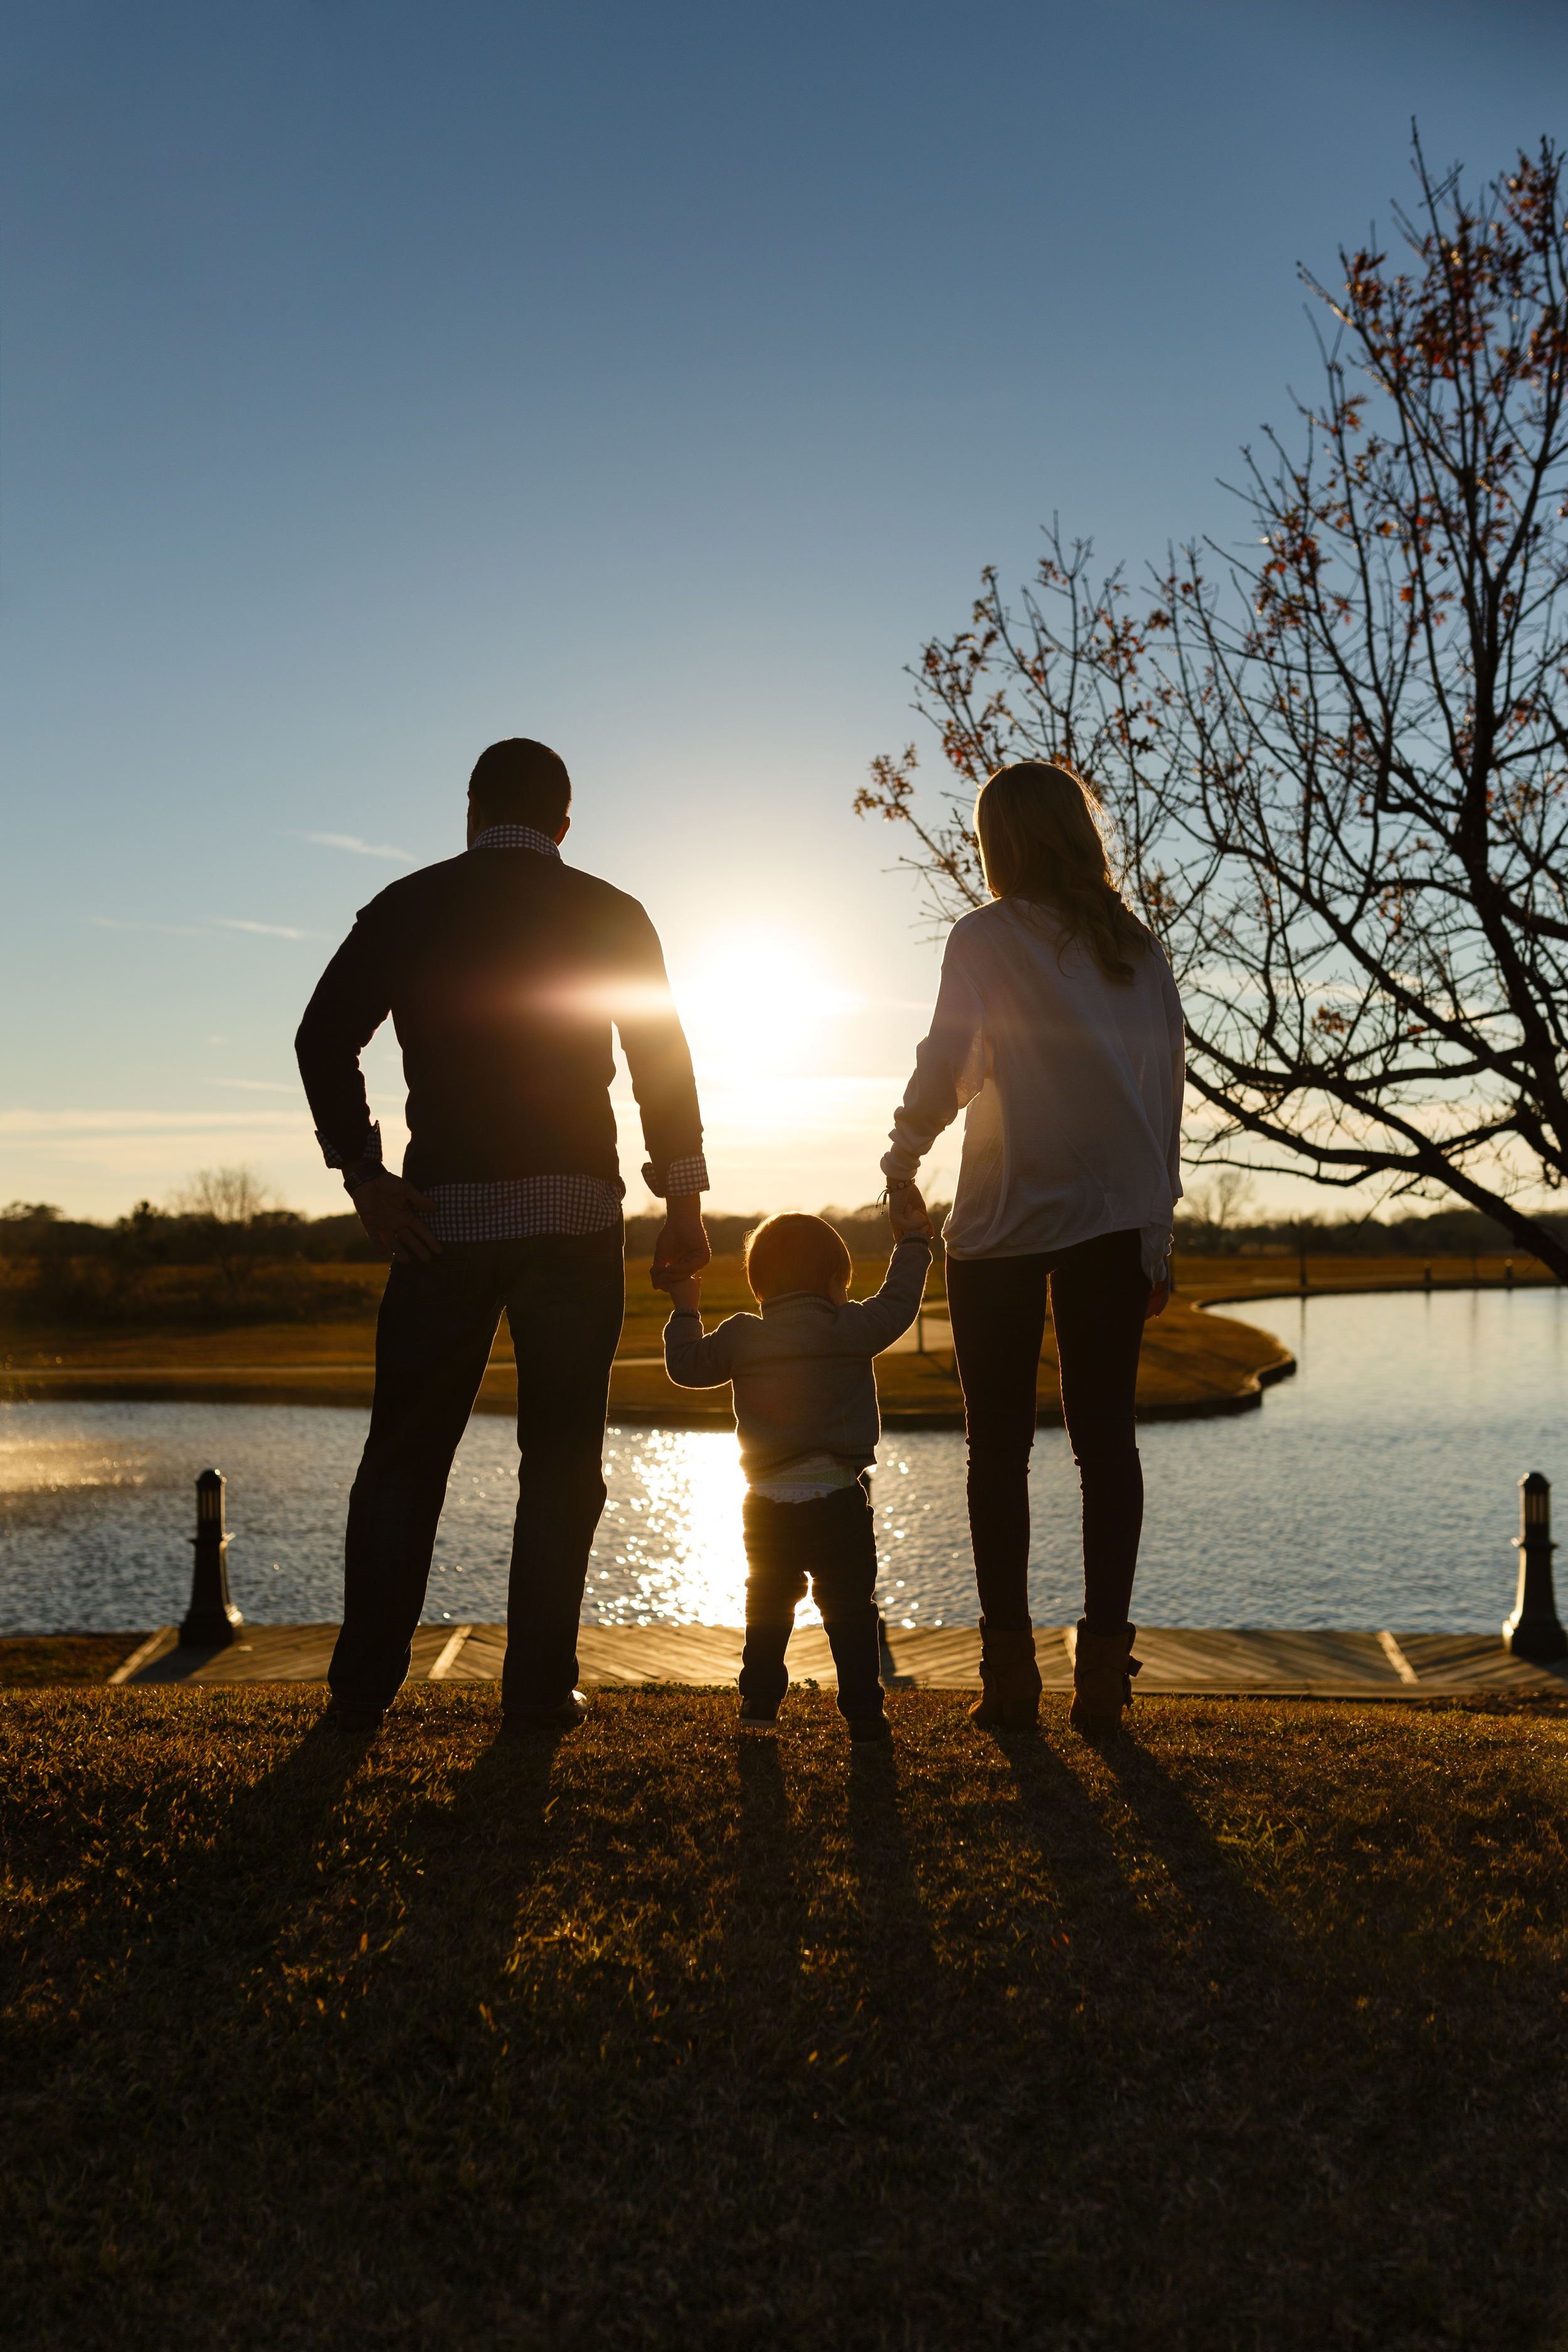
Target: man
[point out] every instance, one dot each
(503, 971)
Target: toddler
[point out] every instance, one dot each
(806, 1410)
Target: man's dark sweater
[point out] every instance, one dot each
(503, 972)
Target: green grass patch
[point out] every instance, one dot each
(1248, 2031)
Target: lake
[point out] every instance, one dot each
(1378, 1488)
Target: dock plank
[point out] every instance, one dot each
(1254, 1659)
(1229, 1661)
(1476, 1662)
(275, 1653)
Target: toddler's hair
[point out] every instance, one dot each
(793, 1252)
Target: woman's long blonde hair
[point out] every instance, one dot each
(1040, 843)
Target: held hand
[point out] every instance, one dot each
(1158, 1299)
(393, 1213)
(685, 1293)
(681, 1249)
(908, 1214)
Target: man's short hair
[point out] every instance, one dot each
(521, 781)
(793, 1252)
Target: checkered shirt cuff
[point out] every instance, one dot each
(369, 1150)
(689, 1175)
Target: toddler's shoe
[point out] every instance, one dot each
(754, 1716)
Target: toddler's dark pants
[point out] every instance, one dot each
(832, 1541)
(1098, 1294)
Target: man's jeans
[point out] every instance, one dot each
(564, 1297)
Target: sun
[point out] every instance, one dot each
(758, 1006)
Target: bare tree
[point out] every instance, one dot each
(226, 1204)
(1220, 1203)
(1336, 760)
(224, 1196)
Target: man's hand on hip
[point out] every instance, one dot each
(393, 1213)
(681, 1248)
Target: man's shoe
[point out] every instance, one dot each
(870, 1726)
(755, 1716)
(565, 1716)
(362, 1721)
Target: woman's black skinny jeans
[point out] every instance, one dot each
(1098, 1292)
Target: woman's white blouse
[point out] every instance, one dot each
(1071, 1085)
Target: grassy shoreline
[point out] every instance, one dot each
(1246, 2032)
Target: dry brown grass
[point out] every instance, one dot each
(33, 1660)
(1247, 2032)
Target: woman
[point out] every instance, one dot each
(1058, 1025)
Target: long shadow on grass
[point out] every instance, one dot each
(1237, 1923)
(766, 1893)
(204, 1918)
(884, 1862)
(162, 2011)
(1070, 1834)
(311, 1936)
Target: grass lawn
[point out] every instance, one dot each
(1249, 2032)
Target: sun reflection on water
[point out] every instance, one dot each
(669, 1545)
(33, 1466)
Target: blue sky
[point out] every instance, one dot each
(379, 380)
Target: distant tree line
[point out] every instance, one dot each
(223, 1251)
(1443, 1233)
(153, 1236)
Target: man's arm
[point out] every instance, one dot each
(348, 1007)
(659, 1061)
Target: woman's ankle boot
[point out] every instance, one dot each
(1102, 1670)
(1009, 1681)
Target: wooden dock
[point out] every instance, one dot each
(1347, 1665)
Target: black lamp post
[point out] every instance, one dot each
(1533, 1631)
(211, 1619)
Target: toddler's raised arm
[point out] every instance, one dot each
(878, 1322)
(692, 1360)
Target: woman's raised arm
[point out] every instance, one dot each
(950, 1068)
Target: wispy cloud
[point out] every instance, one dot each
(256, 1086)
(360, 849)
(203, 930)
(57, 1123)
(170, 930)
(266, 931)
